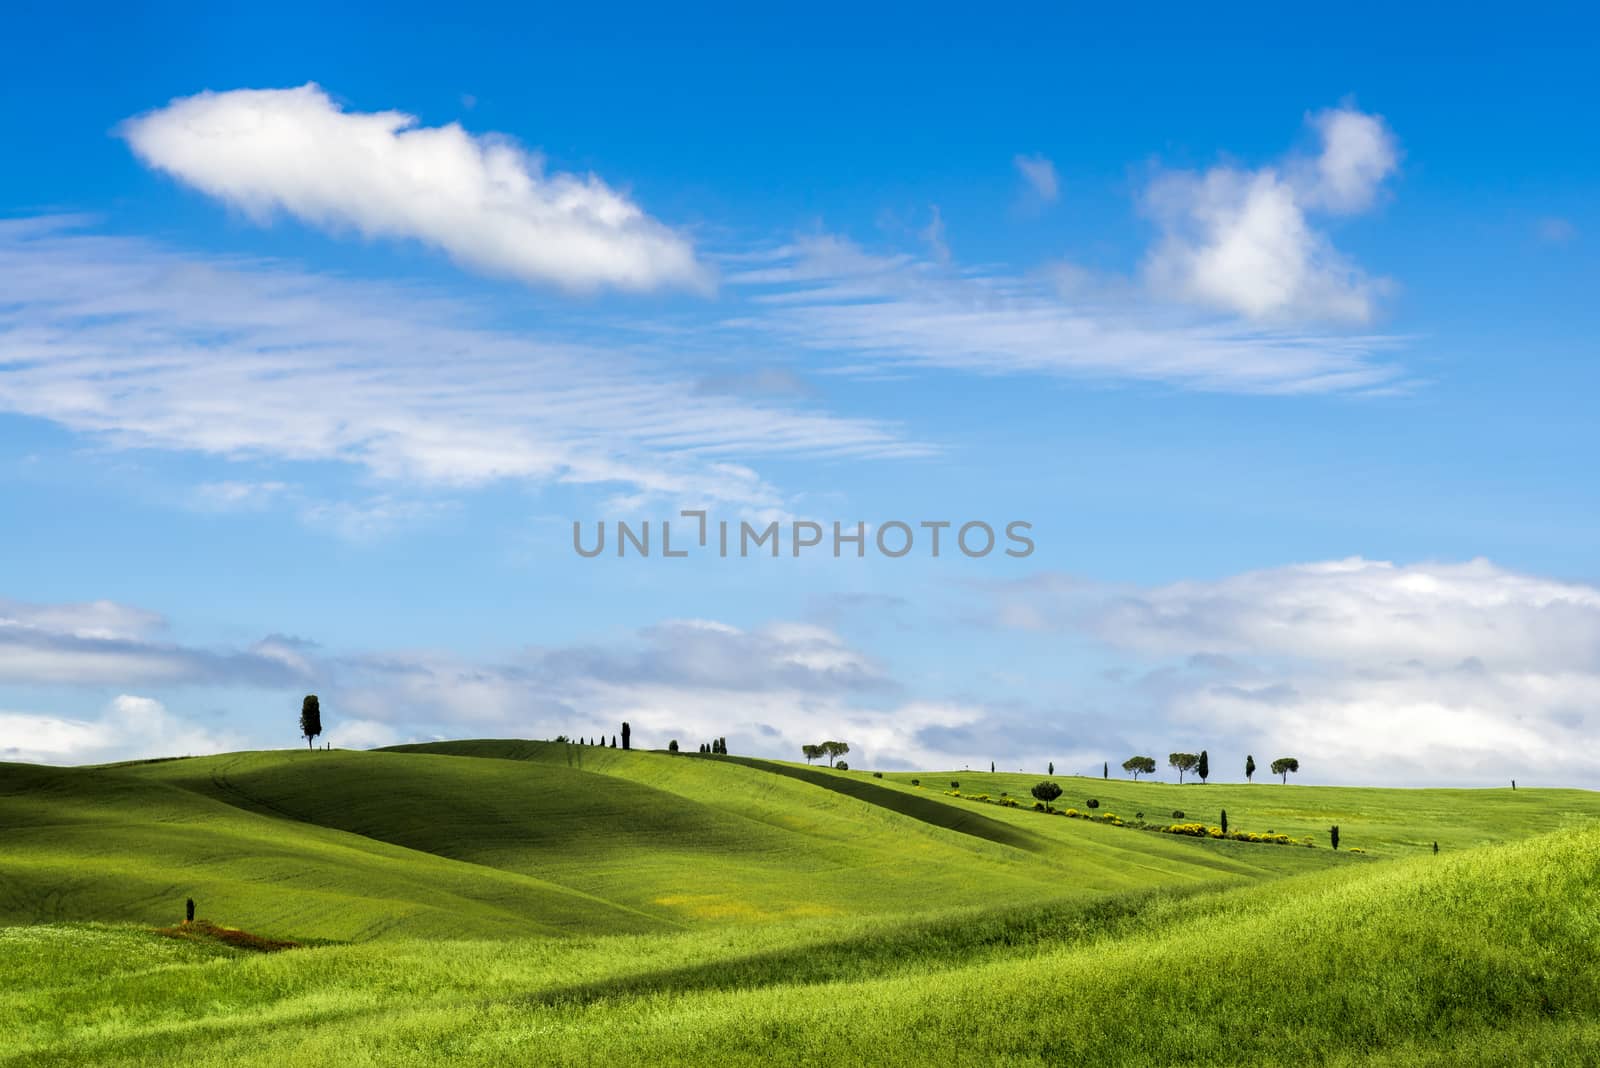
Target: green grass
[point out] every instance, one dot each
(495, 902)
(1393, 822)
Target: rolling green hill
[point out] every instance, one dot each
(486, 901)
(1483, 957)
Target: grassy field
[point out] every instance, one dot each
(498, 901)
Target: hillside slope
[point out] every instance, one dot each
(115, 844)
(1483, 957)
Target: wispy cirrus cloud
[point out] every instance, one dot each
(144, 347)
(490, 205)
(1240, 292)
(1040, 175)
(866, 312)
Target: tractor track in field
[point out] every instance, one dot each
(237, 797)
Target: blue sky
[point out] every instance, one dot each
(1279, 334)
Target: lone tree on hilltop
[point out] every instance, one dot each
(1249, 768)
(310, 718)
(1183, 762)
(834, 750)
(627, 735)
(672, 746)
(1052, 770)
(1137, 764)
(1203, 769)
(1105, 769)
(1284, 765)
(1046, 792)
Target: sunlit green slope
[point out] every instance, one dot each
(1481, 956)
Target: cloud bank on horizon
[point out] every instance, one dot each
(1457, 673)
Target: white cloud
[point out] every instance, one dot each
(146, 348)
(1366, 670)
(362, 734)
(91, 620)
(1240, 240)
(129, 728)
(1370, 611)
(769, 689)
(828, 295)
(1040, 174)
(105, 643)
(1358, 153)
(486, 202)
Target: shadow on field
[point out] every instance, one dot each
(954, 941)
(925, 809)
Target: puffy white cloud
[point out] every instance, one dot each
(1366, 670)
(1359, 153)
(1240, 240)
(362, 734)
(486, 202)
(1370, 611)
(129, 728)
(1040, 174)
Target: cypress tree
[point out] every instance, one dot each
(1224, 821)
(1333, 835)
(310, 718)
(1249, 767)
(1203, 768)
(627, 734)
(1052, 767)
(1105, 769)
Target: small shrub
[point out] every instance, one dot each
(954, 785)
(916, 782)
(1138, 815)
(877, 775)
(1092, 803)
(1177, 813)
(842, 766)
